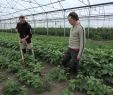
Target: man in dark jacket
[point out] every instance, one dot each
(24, 30)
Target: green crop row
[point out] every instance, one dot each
(95, 66)
(29, 75)
(94, 33)
(94, 63)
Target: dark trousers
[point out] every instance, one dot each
(70, 61)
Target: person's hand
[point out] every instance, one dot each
(23, 40)
(78, 57)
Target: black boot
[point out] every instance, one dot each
(74, 70)
(24, 50)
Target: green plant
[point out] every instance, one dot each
(66, 92)
(33, 81)
(29, 75)
(13, 88)
(14, 66)
(2, 77)
(57, 74)
(96, 64)
(90, 85)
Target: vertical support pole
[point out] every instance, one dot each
(47, 24)
(64, 25)
(34, 30)
(89, 18)
(89, 21)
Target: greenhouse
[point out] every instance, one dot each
(56, 47)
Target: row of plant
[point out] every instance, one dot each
(29, 75)
(90, 85)
(9, 85)
(31, 64)
(12, 87)
(61, 41)
(53, 53)
(94, 33)
(96, 63)
(50, 53)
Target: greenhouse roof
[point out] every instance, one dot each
(15, 8)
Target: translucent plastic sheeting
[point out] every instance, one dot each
(15, 8)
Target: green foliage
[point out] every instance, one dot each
(13, 88)
(57, 74)
(90, 85)
(66, 92)
(100, 33)
(96, 66)
(29, 75)
(2, 77)
(34, 81)
(94, 33)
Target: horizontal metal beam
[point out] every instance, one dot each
(87, 6)
(60, 19)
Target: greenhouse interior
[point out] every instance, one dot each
(56, 47)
